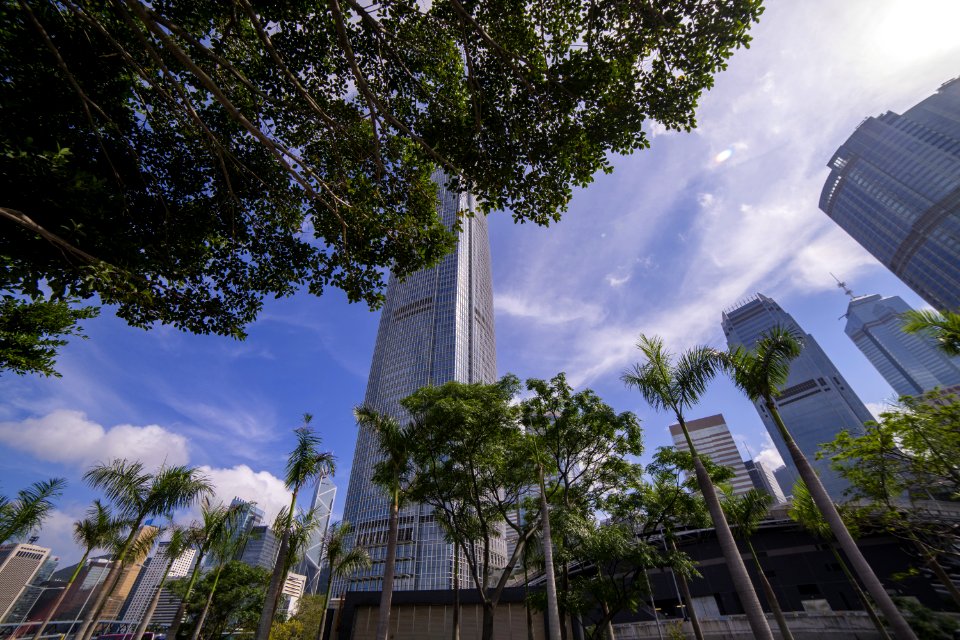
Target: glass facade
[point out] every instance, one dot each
(894, 186)
(911, 363)
(435, 326)
(816, 403)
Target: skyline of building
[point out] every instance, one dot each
(764, 479)
(712, 438)
(910, 363)
(816, 402)
(152, 578)
(435, 326)
(894, 186)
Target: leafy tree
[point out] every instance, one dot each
(32, 331)
(928, 624)
(473, 467)
(675, 387)
(288, 630)
(759, 374)
(942, 327)
(804, 511)
(30, 508)
(178, 542)
(342, 561)
(137, 495)
(581, 446)
(237, 600)
(392, 474)
(309, 613)
(746, 512)
(96, 531)
(184, 160)
(305, 464)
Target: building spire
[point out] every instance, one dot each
(843, 285)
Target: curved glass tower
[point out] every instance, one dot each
(435, 326)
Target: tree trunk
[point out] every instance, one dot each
(653, 605)
(276, 580)
(206, 607)
(488, 608)
(63, 594)
(688, 599)
(326, 607)
(90, 623)
(553, 613)
(182, 608)
(456, 591)
(738, 570)
(389, 569)
(867, 605)
(526, 597)
(148, 614)
(771, 596)
(874, 587)
(942, 575)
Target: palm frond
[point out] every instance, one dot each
(306, 462)
(123, 482)
(944, 328)
(695, 368)
(31, 507)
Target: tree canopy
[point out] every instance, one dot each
(185, 160)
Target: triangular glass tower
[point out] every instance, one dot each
(436, 326)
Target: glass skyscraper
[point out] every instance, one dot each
(894, 186)
(435, 326)
(911, 363)
(816, 403)
(311, 565)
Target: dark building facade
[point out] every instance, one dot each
(894, 186)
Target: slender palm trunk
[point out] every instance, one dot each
(389, 569)
(553, 612)
(688, 599)
(63, 594)
(526, 596)
(90, 623)
(771, 596)
(206, 606)
(148, 614)
(326, 605)
(930, 557)
(276, 580)
(874, 587)
(182, 608)
(738, 570)
(867, 605)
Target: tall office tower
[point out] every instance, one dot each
(712, 438)
(816, 403)
(894, 186)
(262, 548)
(764, 480)
(152, 578)
(786, 477)
(911, 363)
(436, 326)
(128, 577)
(311, 565)
(19, 564)
(24, 606)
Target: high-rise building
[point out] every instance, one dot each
(152, 578)
(911, 363)
(894, 186)
(712, 438)
(764, 480)
(128, 575)
(262, 548)
(21, 609)
(435, 326)
(19, 564)
(311, 565)
(816, 402)
(786, 477)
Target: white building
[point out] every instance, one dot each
(712, 439)
(153, 579)
(19, 563)
(292, 592)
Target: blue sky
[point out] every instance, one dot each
(675, 235)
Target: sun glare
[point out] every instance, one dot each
(905, 33)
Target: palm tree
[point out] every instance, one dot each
(944, 328)
(803, 511)
(137, 495)
(305, 464)
(93, 532)
(224, 541)
(27, 512)
(746, 512)
(342, 561)
(201, 535)
(760, 374)
(394, 467)
(178, 543)
(676, 387)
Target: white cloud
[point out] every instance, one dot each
(617, 280)
(876, 408)
(555, 311)
(69, 437)
(262, 487)
(769, 457)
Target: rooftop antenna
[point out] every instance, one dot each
(846, 290)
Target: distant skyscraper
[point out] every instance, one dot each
(24, 605)
(436, 326)
(261, 548)
(712, 438)
(911, 363)
(894, 186)
(19, 564)
(786, 478)
(764, 480)
(311, 566)
(816, 403)
(152, 578)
